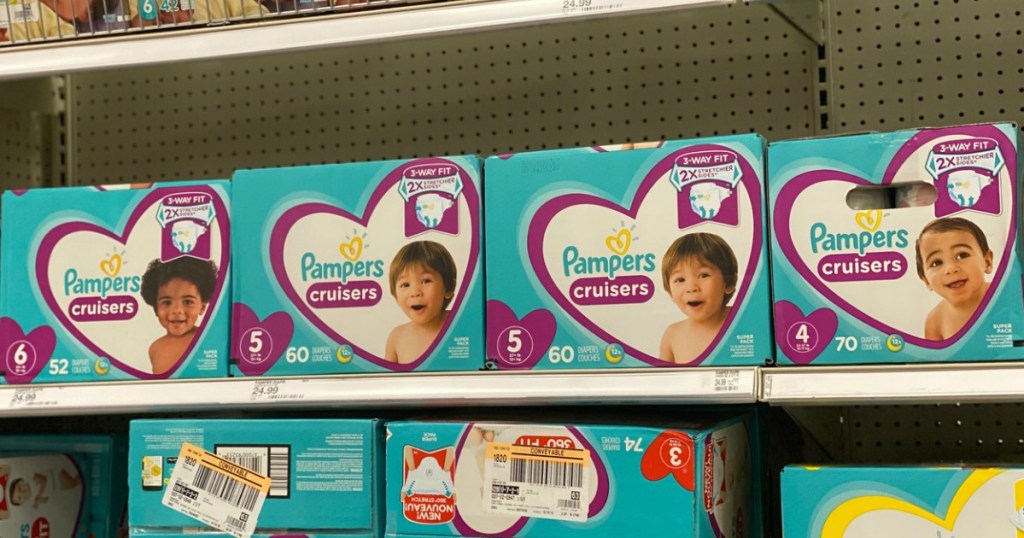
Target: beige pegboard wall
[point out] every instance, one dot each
(925, 62)
(22, 137)
(678, 74)
(916, 434)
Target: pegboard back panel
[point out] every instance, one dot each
(925, 63)
(916, 434)
(677, 74)
(24, 135)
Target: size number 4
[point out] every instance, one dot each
(847, 343)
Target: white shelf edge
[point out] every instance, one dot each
(893, 384)
(282, 35)
(724, 385)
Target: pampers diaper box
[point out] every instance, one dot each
(209, 477)
(116, 283)
(631, 257)
(897, 247)
(870, 502)
(359, 267)
(61, 486)
(550, 480)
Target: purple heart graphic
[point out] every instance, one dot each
(259, 344)
(25, 355)
(284, 224)
(597, 503)
(54, 236)
(803, 338)
(518, 343)
(547, 212)
(790, 192)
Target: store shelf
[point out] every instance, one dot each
(647, 386)
(896, 384)
(263, 37)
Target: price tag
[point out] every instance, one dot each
(727, 381)
(222, 494)
(272, 390)
(26, 397)
(575, 7)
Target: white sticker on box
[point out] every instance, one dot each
(551, 483)
(18, 11)
(217, 492)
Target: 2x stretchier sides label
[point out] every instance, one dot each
(359, 267)
(629, 257)
(115, 283)
(930, 274)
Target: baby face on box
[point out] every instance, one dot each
(383, 284)
(660, 277)
(919, 273)
(135, 292)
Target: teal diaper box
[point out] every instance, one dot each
(650, 256)
(324, 477)
(359, 267)
(115, 283)
(897, 247)
(449, 479)
(61, 486)
(874, 502)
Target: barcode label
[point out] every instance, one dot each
(234, 522)
(18, 12)
(273, 461)
(214, 490)
(547, 473)
(566, 503)
(535, 481)
(225, 488)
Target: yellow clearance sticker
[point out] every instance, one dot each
(191, 454)
(503, 452)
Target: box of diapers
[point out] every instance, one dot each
(115, 283)
(510, 479)
(359, 267)
(72, 476)
(325, 478)
(897, 247)
(932, 502)
(632, 255)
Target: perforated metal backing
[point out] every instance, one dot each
(21, 136)
(680, 74)
(926, 433)
(907, 63)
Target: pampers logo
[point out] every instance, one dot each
(92, 299)
(865, 263)
(612, 287)
(337, 289)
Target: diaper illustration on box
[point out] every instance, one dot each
(507, 479)
(121, 284)
(41, 495)
(933, 275)
(373, 267)
(638, 257)
(866, 502)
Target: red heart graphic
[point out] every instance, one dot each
(672, 452)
